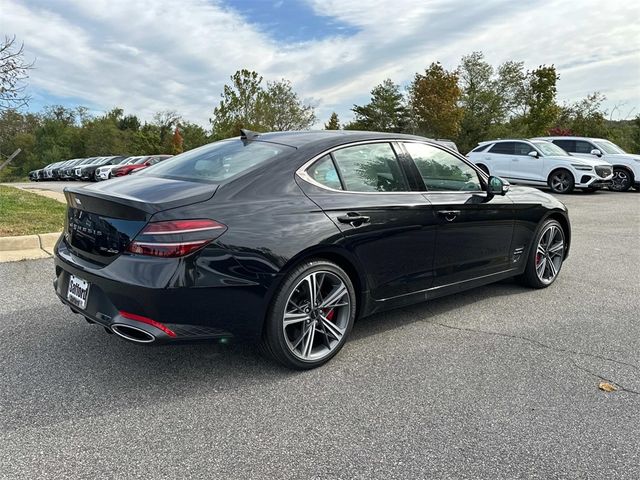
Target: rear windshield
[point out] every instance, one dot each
(217, 161)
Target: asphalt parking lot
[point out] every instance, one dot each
(497, 382)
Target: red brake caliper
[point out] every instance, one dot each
(330, 315)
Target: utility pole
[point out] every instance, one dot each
(11, 157)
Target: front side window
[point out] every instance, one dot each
(504, 148)
(370, 167)
(441, 171)
(523, 149)
(566, 145)
(583, 147)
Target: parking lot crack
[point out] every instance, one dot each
(605, 379)
(556, 350)
(540, 344)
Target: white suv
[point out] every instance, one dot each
(626, 167)
(540, 163)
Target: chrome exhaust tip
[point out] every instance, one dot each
(133, 334)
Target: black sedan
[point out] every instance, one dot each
(287, 237)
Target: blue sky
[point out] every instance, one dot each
(151, 55)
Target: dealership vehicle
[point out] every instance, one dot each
(540, 163)
(68, 172)
(88, 172)
(47, 172)
(287, 237)
(105, 172)
(626, 166)
(447, 143)
(139, 164)
(57, 172)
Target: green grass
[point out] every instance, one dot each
(26, 213)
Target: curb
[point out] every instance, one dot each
(28, 247)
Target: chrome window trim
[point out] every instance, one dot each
(302, 171)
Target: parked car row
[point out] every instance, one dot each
(95, 168)
(560, 163)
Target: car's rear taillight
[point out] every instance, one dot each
(175, 238)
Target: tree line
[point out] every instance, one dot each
(475, 101)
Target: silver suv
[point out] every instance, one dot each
(626, 166)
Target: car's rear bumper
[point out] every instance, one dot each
(141, 286)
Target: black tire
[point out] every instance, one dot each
(530, 276)
(561, 181)
(622, 180)
(273, 340)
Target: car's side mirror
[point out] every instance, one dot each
(497, 186)
(596, 152)
(533, 154)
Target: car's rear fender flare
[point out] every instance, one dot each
(341, 257)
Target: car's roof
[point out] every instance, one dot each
(307, 138)
(498, 140)
(568, 137)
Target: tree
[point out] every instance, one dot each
(177, 142)
(542, 109)
(238, 107)
(13, 75)
(247, 104)
(193, 135)
(585, 117)
(434, 98)
(386, 112)
(333, 123)
(491, 99)
(279, 108)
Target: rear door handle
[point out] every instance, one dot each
(449, 215)
(354, 219)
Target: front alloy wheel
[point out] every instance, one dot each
(621, 180)
(561, 181)
(545, 261)
(311, 316)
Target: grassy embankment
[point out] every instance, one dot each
(26, 213)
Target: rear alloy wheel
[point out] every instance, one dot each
(545, 259)
(311, 315)
(561, 181)
(621, 180)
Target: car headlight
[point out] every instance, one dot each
(579, 166)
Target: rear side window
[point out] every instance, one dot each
(480, 148)
(371, 167)
(504, 148)
(325, 173)
(217, 161)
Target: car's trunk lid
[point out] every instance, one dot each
(102, 219)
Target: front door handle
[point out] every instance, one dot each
(449, 215)
(354, 219)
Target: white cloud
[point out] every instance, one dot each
(158, 54)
